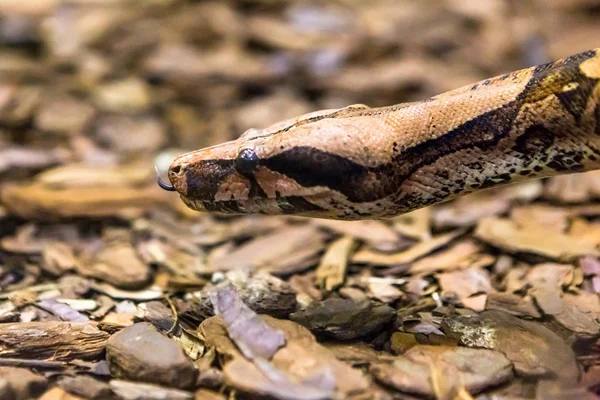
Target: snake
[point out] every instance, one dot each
(359, 162)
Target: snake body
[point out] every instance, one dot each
(361, 163)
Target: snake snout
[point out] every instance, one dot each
(177, 176)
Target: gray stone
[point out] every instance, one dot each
(141, 353)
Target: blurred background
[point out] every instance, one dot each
(94, 93)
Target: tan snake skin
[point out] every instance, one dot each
(360, 162)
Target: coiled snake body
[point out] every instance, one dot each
(359, 162)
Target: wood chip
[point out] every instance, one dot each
(509, 236)
(62, 341)
(331, 271)
(367, 256)
(261, 254)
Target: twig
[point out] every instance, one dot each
(21, 362)
(175, 315)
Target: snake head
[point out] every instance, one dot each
(297, 167)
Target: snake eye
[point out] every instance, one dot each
(246, 162)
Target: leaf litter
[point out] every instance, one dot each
(493, 295)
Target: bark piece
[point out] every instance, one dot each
(460, 255)
(401, 342)
(260, 253)
(61, 341)
(58, 258)
(578, 313)
(41, 202)
(511, 304)
(118, 262)
(376, 234)
(534, 349)
(157, 313)
(140, 353)
(128, 95)
(204, 394)
(507, 235)
(366, 256)
(263, 293)
(576, 188)
(467, 282)
(344, 318)
(415, 372)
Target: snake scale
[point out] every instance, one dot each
(365, 163)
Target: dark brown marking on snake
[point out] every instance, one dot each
(204, 179)
(223, 206)
(532, 141)
(569, 63)
(444, 174)
(255, 189)
(597, 118)
(312, 167)
(292, 204)
(575, 100)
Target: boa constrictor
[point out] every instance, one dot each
(360, 163)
